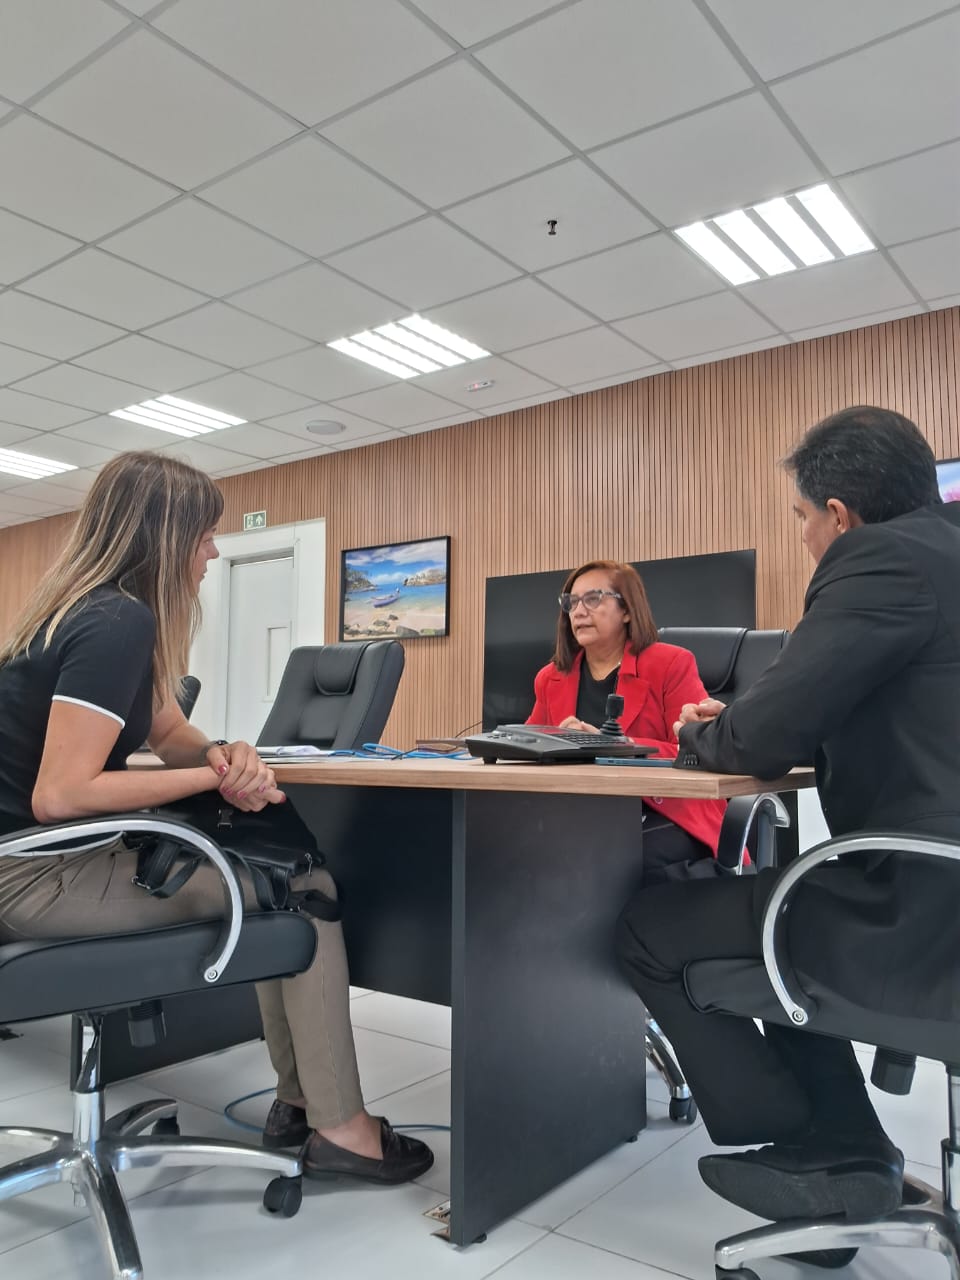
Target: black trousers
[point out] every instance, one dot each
(780, 1086)
(670, 853)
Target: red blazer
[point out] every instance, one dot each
(654, 686)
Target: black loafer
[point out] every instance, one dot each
(856, 1178)
(403, 1158)
(285, 1126)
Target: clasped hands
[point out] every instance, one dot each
(698, 713)
(244, 779)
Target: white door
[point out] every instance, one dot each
(261, 611)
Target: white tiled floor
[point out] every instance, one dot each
(641, 1213)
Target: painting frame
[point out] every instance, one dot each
(408, 580)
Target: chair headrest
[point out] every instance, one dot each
(335, 667)
(715, 648)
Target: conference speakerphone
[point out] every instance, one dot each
(545, 744)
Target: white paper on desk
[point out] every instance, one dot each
(292, 752)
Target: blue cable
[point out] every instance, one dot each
(256, 1128)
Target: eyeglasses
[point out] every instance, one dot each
(590, 600)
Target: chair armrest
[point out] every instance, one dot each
(738, 821)
(36, 841)
(797, 1005)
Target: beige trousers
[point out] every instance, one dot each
(306, 1018)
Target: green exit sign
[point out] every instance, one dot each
(254, 520)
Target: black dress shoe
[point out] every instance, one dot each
(285, 1126)
(403, 1158)
(855, 1177)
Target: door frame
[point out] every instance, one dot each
(306, 542)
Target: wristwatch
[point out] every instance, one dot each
(217, 742)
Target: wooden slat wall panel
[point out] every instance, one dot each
(675, 464)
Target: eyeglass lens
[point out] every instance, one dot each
(591, 599)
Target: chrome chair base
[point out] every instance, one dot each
(921, 1223)
(660, 1052)
(91, 1163)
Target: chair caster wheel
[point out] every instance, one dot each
(283, 1196)
(683, 1110)
(742, 1273)
(828, 1259)
(169, 1126)
(481, 1239)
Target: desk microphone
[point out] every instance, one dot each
(614, 709)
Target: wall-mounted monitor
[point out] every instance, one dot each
(400, 590)
(948, 479)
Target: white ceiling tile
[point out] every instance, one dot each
(421, 428)
(322, 374)
(20, 504)
(33, 411)
(151, 364)
(109, 289)
(728, 353)
(705, 324)
(16, 437)
(25, 247)
(653, 272)
(469, 22)
(257, 441)
(62, 448)
(222, 333)
(116, 434)
(295, 425)
(400, 405)
(84, 388)
(317, 302)
(56, 495)
(380, 438)
(244, 397)
(178, 120)
(607, 67)
(209, 458)
(526, 402)
(15, 363)
(590, 214)
(41, 39)
(201, 247)
(581, 357)
(833, 291)
(852, 129)
(909, 198)
(423, 264)
(63, 183)
(733, 154)
(940, 304)
(323, 57)
(140, 7)
(512, 315)
(312, 197)
(779, 36)
(49, 330)
(75, 482)
(857, 322)
(509, 383)
(447, 136)
(618, 379)
(931, 265)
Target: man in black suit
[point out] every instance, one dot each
(867, 690)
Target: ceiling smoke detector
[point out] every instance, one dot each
(325, 427)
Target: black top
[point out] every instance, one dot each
(101, 657)
(592, 695)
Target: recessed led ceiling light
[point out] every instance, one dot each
(409, 347)
(718, 254)
(179, 417)
(782, 218)
(325, 427)
(840, 225)
(29, 467)
(755, 242)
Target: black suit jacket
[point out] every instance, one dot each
(868, 688)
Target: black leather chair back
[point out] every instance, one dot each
(729, 659)
(335, 695)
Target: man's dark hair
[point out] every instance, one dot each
(873, 460)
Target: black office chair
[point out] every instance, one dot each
(729, 660)
(772, 989)
(335, 696)
(87, 977)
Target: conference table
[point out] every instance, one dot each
(493, 889)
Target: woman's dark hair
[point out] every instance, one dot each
(875, 461)
(624, 579)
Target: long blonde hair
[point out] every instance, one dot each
(139, 530)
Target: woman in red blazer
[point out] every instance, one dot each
(607, 643)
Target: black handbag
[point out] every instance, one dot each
(272, 846)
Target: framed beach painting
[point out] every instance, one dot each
(401, 591)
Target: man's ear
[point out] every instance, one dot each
(846, 517)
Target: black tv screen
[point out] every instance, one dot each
(520, 625)
(948, 479)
